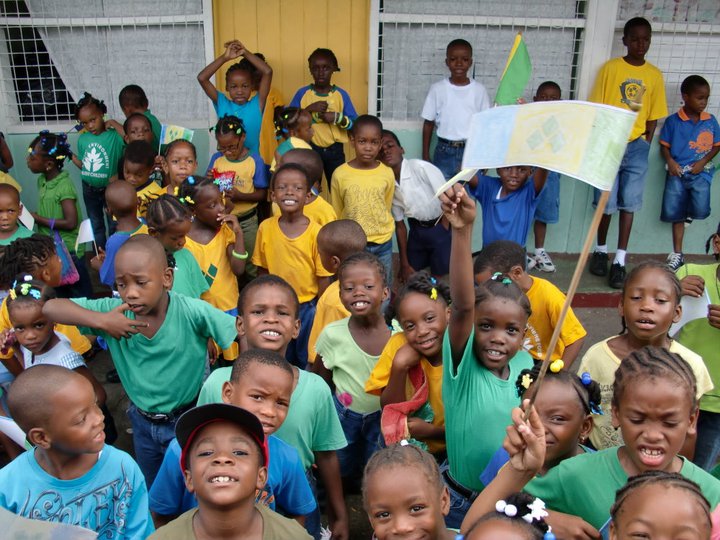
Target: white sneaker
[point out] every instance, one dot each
(544, 262)
(531, 262)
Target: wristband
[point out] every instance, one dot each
(52, 224)
(242, 256)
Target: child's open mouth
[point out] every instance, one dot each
(222, 479)
(651, 457)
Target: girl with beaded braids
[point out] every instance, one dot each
(242, 177)
(412, 358)
(98, 155)
(483, 356)
(239, 86)
(58, 208)
(649, 304)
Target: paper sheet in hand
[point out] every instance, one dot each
(12, 430)
(576, 138)
(26, 218)
(463, 176)
(692, 309)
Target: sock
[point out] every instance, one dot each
(601, 249)
(620, 257)
(539, 250)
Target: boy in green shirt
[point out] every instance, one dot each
(10, 209)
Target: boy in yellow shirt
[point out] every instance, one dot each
(286, 245)
(138, 165)
(336, 242)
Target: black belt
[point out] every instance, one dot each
(462, 490)
(454, 144)
(160, 418)
(424, 224)
(244, 217)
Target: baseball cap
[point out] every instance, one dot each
(191, 422)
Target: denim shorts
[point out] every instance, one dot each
(460, 503)
(448, 158)
(362, 432)
(548, 205)
(686, 197)
(627, 192)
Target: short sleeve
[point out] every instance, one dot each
(716, 131)
(328, 433)
(380, 375)
(325, 347)
(168, 489)
(211, 391)
(100, 305)
(294, 495)
(66, 190)
(320, 269)
(217, 324)
(258, 257)
(430, 109)
(260, 178)
(348, 107)
(597, 94)
(666, 132)
(298, 96)
(658, 103)
(139, 523)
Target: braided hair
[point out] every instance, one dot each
(86, 100)
(191, 186)
(501, 286)
(654, 362)
(527, 516)
(53, 146)
(27, 290)
(287, 119)
(229, 124)
(665, 269)
(363, 257)
(25, 256)
(587, 390)
(420, 282)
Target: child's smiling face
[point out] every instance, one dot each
(423, 321)
(290, 191)
(499, 332)
(362, 290)
(513, 178)
(268, 318)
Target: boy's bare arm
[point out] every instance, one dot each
(329, 470)
(114, 322)
(650, 126)
(539, 179)
(428, 128)
(674, 167)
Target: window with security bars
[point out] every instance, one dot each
(685, 41)
(413, 35)
(51, 51)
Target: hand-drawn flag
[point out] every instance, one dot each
(516, 74)
(170, 133)
(576, 138)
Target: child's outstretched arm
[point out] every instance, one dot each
(233, 50)
(114, 322)
(525, 442)
(264, 69)
(539, 179)
(460, 211)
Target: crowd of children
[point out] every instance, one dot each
(272, 367)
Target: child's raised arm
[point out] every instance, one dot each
(264, 69)
(236, 253)
(525, 442)
(460, 211)
(233, 50)
(539, 179)
(114, 323)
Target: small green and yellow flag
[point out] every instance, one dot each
(516, 74)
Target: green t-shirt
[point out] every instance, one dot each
(156, 128)
(51, 194)
(350, 365)
(100, 155)
(20, 232)
(700, 337)
(585, 485)
(188, 278)
(164, 372)
(477, 411)
(312, 423)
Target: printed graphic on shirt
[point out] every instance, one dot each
(103, 510)
(211, 274)
(631, 92)
(96, 162)
(703, 144)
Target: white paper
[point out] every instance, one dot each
(85, 233)
(14, 526)
(26, 218)
(462, 176)
(692, 309)
(12, 430)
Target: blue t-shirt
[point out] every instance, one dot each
(287, 488)
(509, 217)
(110, 499)
(689, 141)
(113, 244)
(249, 113)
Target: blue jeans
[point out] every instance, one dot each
(686, 197)
(459, 503)
(384, 253)
(312, 520)
(548, 206)
(150, 440)
(362, 432)
(707, 447)
(297, 350)
(94, 198)
(627, 192)
(448, 158)
(332, 157)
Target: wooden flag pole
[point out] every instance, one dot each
(574, 282)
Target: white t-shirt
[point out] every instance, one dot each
(61, 354)
(415, 191)
(451, 107)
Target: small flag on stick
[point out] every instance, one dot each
(516, 74)
(85, 234)
(170, 133)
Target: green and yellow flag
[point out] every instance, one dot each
(516, 75)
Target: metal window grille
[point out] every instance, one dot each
(413, 35)
(51, 51)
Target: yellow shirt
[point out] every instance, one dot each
(380, 377)
(268, 141)
(146, 195)
(365, 196)
(619, 83)
(319, 210)
(213, 261)
(327, 134)
(329, 309)
(244, 174)
(602, 363)
(547, 302)
(5, 178)
(296, 260)
(79, 343)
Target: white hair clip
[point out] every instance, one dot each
(404, 442)
(537, 511)
(510, 510)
